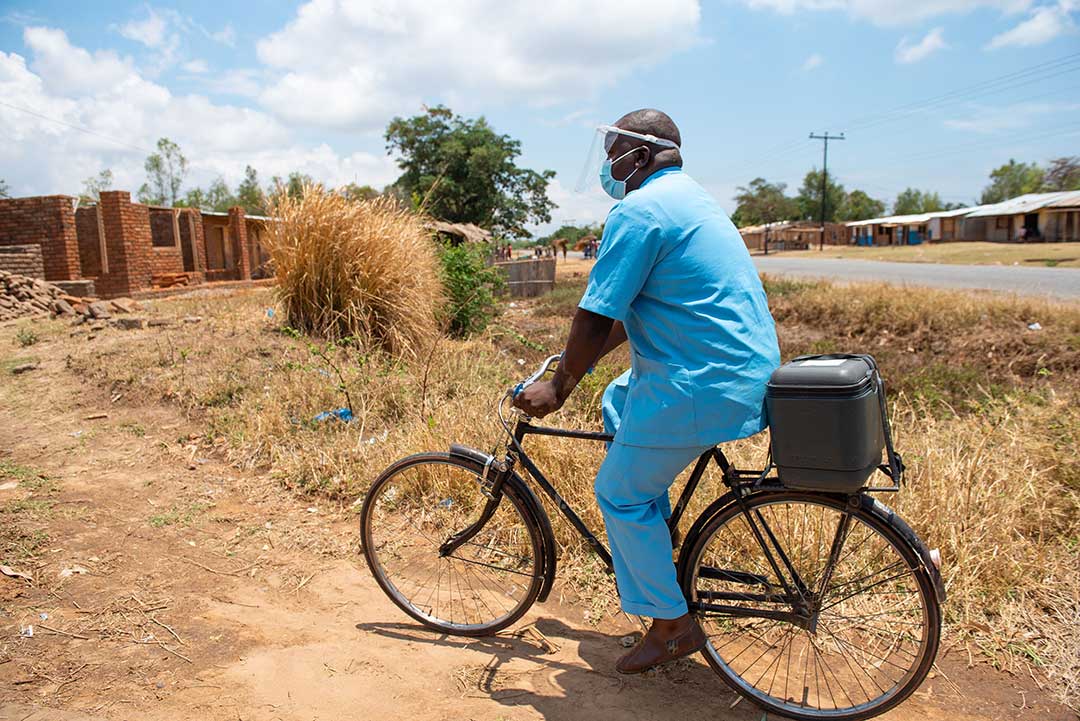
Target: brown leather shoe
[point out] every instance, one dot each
(653, 649)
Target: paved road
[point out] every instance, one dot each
(1055, 282)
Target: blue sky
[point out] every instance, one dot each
(311, 86)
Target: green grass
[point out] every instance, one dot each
(178, 515)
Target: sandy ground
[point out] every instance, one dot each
(214, 594)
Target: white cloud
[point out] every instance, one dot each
(196, 66)
(150, 32)
(909, 52)
(355, 63)
(814, 61)
(986, 120)
(889, 12)
(121, 115)
(225, 36)
(1043, 25)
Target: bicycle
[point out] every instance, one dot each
(816, 605)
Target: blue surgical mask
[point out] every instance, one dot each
(615, 188)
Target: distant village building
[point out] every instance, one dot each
(792, 235)
(1031, 218)
(115, 247)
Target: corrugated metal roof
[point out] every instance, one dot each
(893, 220)
(1029, 203)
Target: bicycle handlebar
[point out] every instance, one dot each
(544, 368)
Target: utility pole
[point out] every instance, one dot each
(825, 179)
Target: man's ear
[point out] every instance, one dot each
(643, 158)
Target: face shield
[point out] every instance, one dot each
(605, 137)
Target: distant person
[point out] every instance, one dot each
(675, 279)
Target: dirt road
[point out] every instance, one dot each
(195, 591)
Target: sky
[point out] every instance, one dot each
(931, 94)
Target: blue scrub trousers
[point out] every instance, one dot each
(632, 491)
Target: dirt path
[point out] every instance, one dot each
(212, 594)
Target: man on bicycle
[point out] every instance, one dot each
(675, 279)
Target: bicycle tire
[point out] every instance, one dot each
(489, 592)
(762, 577)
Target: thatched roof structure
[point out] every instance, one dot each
(463, 232)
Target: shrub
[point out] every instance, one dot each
(26, 337)
(471, 285)
(360, 269)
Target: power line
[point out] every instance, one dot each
(73, 126)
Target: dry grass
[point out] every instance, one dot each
(1063, 255)
(364, 270)
(990, 433)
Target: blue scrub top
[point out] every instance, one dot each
(673, 268)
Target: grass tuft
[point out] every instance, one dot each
(364, 270)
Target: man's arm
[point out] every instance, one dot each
(591, 336)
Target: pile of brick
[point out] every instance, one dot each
(21, 296)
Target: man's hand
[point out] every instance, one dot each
(539, 399)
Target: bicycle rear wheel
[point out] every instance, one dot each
(484, 585)
(856, 640)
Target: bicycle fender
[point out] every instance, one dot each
(890, 516)
(532, 504)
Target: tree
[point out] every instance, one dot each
(572, 233)
(461, 170)
(93, 186)
(166, 170)
(355, 192)
(194, 198)
(1063, 174)
(293, 187)
(857, 205)
(809, 197)
(4, 192)
(219, 197)
(1011, 180)
(763, 202)
(249, 195)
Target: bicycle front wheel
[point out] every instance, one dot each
(814, 608)
(485, 584)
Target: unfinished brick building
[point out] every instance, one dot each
(126, 248)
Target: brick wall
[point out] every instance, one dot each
(238, 231)
(193, 249)
(22, 259)
(163, 227)
(89, 238)
(127, 243)
(166, 260)
(47, 221)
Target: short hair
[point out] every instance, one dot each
(649, 121)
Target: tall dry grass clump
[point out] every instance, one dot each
(365, 270)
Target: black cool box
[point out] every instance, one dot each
(827, 421)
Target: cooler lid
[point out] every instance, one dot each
(823, 372)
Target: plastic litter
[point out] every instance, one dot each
(26, 631)
(1034, 326)
(446, 503)
(269, 312)
(342, 414)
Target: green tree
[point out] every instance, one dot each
(573, 233)
(858, 205)
(763, 202)
(194, 198)
(355, 192)
(219, 197)
(461, 170)
(471, 284)
(1063, 174)
(293, 187)
(166, 170)
(1011, 180)
(809, 197)
(93, 185)
(4, 192)
(249, 195)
